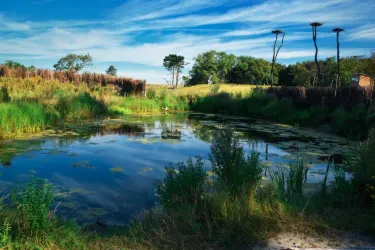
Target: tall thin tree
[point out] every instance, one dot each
(315, 26)
(275, 53)
(337, 31)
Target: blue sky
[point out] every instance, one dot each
(135, 35)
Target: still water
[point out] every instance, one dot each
(109, 173)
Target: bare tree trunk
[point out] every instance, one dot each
(282, 42)
(273, 58)
(177, 77)
(173, 77)
(338, 58)
(316, 55)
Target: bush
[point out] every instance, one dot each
(184, 184)
(23, 117)
(289, 180)
(236, 172)
(362, 160)
(32, 205)
(4, 94)
(351, 124)
(81, 107)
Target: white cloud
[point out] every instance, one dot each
(175, 27)
(366, 32)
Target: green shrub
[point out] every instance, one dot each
(235, 171)
(362, 161)
(4, 94)
(32, 205)
(22, 117)
(5, 237)
(289, 180)
(81, 107)
(184, 184)
(351, 124)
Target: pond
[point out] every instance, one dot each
(108, 171)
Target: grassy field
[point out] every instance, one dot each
(44, 103)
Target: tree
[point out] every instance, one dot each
(174, 63)
(315, 26)
(13, 65)
(250, 70)
(111, 71)
(212, 66)
(275, 53)
(73, 62)
(337, 31)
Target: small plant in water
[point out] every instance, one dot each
(184, 184)
(32, 205)
(236, 172)
(5, 237)
(116, 170)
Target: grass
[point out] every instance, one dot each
(23, 117)
(233, 210)
(74, 102)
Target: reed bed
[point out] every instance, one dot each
(125, 84)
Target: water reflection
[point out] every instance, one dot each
(109, 172)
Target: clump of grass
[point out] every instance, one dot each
(4, 94)
(23, 117)
(81, 107)
(32, 205)
(235, 171)
(183, 185)
(289, 180)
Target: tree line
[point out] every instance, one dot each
(220, 67)
(71, 62)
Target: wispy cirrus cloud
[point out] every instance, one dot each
(143, 32)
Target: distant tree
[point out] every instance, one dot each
(13, 65)
(275, 53)
(337, 31)
(212, 67)
(186, 80)
(73, 62)
(250, 70)
(111, 71)
(174, 63)
(31, 68)
(315, 26)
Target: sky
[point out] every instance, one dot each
(136, 35)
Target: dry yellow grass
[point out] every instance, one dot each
(197, 91)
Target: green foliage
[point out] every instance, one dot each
(236, 172)
(73, 62)
(289, 180)
(212, 66)
(32, 205)
(22, 117)
(152, 104)
(250, 70)
(5, 237)
(4, 94)
(184, 184)
(111, 71)
(14, 65)
(174, 64)
(80, 107)
(343, 120)
(362, 161)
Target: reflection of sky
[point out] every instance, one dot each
(92, 191)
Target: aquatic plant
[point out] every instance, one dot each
(116, 170)
(23, 117)
(184, 184)
(235, 171)
(32, 205)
